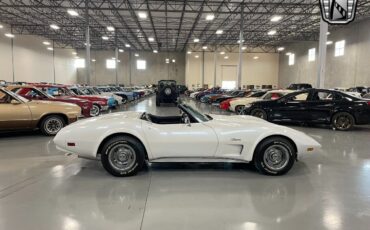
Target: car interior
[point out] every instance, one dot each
(184, 118)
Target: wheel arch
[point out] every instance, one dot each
(121, 134)
(279, 136)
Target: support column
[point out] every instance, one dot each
(88, 58)
(214, 67)
(321, 64)
(241, 38)
(54, 63)
(202, 71)
(129, 68)
(117, 63)
(12, 45)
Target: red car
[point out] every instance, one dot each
(32, 93)
(226, 104)
(61, 91)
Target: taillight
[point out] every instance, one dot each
(368, 103)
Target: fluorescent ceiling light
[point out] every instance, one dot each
(226, 57)
(255, 58)
(329, 42)
(1, 26)
(204, 47)
(155, 51)
(113, 58)
(189, 52)
(50, 48)
(276, 18)
(127, 45)
(72, 12)
(142, 15)
(222, 52)
(167, 60)
(219, 32)
(74, 53)
(289, 53)
(46, 43)
(272, 32)
(104, 37)
(121, 50)
(86, 44)
(93, 60)
(210, 17)
(136, 55)
(55, 27)
(196, 39)
(110, 28)
(118, 60)
(280, 48)
(242, 40)
(327, 33)
(151, 39)
(9, 35)
(173, 60)
(196, 56)
(244, 48)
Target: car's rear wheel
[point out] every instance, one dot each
(274, 156)
(239, 109)
(260, 113)
(123, 156)
(343, 121)
(52, 124)
(95, 110)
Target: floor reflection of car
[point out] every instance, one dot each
(124, 140)
(19, 113)
(319, 106)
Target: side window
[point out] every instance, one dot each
(326, 96)
(298, 97)
(5, 98)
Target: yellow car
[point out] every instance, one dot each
(18, 113)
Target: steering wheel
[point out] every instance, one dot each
(185, 118)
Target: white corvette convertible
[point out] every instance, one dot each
(125, 140)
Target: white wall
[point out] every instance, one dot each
(156, 68)
(352, 69)
(263, 71)
(33, 62)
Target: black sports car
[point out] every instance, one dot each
(318, 106)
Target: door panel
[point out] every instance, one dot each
(180, 140)
(14, 116)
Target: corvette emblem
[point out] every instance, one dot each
(338, 11)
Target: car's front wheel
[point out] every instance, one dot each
(239, 109)
(260, 113)
(52, 124)
(123, 156)
(95, 110)
(343, 121)
(274, 156)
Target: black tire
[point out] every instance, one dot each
(51, 125)
(239, 109)
(343, 121)
(95, 110)
(266, 152)
(260, 113)
(134, 153)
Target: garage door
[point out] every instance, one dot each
(228, 76)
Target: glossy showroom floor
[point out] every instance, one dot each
(41, 188)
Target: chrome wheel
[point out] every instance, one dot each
(343, 122)
(95, 111)
(239, 109)
(259, 113)
(53, 125)
(276, 157)
(122, 157)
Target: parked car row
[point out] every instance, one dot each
(300, 103)
(49, 107)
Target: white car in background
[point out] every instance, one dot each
(92, 91)
(239, 104)
(125, 140)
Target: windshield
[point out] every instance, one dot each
(200, 117)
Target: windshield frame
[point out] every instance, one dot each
(194, 113)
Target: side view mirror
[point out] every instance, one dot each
(14, 102)
(187, 120)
